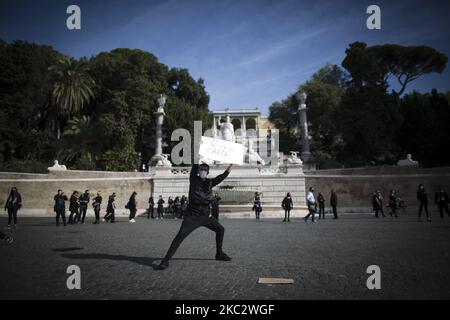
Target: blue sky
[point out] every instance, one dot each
(250, 52)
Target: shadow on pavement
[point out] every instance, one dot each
(67, 249)
(146, 261)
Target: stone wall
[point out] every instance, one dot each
(355, 186)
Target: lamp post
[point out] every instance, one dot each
(306, 156)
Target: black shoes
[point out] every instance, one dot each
(163, 265)
(222, 257)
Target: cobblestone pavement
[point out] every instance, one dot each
(327, 260)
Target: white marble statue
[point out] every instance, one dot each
(407, 162)
(293, 158)
(57, 167)
(227, 130)
(252, 156)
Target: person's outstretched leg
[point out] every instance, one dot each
(189, 224)
(214, 225)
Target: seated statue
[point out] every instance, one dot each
(57, 167)
(408, 161)
(293, 158)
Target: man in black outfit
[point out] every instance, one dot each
(333, 203)
(442, 200)
(83, 200)
(423, 202)
(60, 207)
(198, 212)
(96, 203)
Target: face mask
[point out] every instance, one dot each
(203, 174)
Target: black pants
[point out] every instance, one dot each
(287, 214)
(192, 222)
(311, 213)
(334, 211)
(380, 209)
(110, 215)
(421, 207)
(73, 216)
(61, 213)
(12, 215)
(160, 212)
(443, 207)
(215, 214)
(150, 213)
(97, 214)
(82, 213)
(322, 211)
(132, 214)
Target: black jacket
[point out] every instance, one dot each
(60, 202)
(333, 199)
(97, 202)
(200, 190)
(441, 197)
(287, 203)
(14, 202)
(422, 196)
(73, 203)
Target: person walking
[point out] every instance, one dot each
(151, 205)
(73, 207)
(84, 201)
(96, 203)
(423, 202)
(287, 206)
(442, 200)
(215, 205)
(393, 203)
(184, 206)
(12, 205)
(312, 205)
(257, 207)
(321, 202)
(110, 209)
(160, 208)
(132, 206)
(377, 202)
(334, 203)
(197, 215)
(60, 207)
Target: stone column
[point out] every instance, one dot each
(306, 156)
(159, 159)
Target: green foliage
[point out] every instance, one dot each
(425, 130)
(43, 92)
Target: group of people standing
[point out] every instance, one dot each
(396, 203)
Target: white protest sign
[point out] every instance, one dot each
(221, 150)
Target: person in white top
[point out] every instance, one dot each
(311, 202)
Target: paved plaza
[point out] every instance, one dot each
(327, 260)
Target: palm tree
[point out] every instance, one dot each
(72, 88)
(79, 141)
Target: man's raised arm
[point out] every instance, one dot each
(221, 177)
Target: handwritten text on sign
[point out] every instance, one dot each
(221, 150)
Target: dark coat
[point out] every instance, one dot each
(200, 190)
(333, 199)
(422, 196)
(287, 203)
(60, 202)
(73, 203)
(14, 201)
(441, 197)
